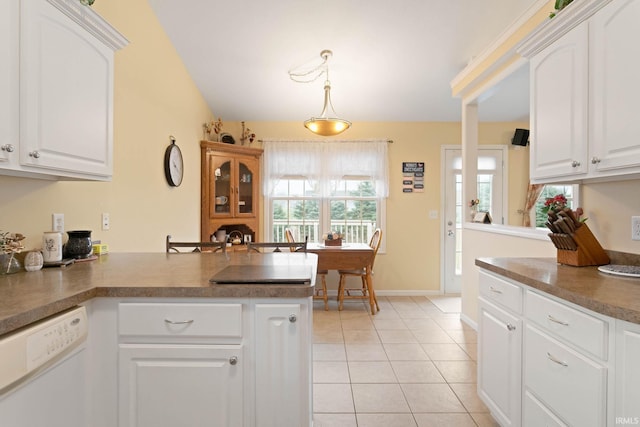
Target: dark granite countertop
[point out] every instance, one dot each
(614, 296)
(26, 297)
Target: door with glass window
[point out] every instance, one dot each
(489, 198)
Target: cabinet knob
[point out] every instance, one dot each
(8, 148)
(575, 164)
(293, 318)
(34, 154)
(233, 360)
(511, 327)
(595, 160)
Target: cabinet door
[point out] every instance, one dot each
(220, 175)
(247, 187)
(9, 78)
(283, 371)
(559, 107)
(500, 363)
(569, 383)
(66, 94)
(180, 385)
(627, 399)
(614, 95)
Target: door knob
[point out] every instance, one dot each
(293, 318)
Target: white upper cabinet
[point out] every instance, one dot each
(65, 102)
(559, 106)
(9, 54)
(584, 93)
(615, 92)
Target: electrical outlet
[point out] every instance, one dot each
(635, 228)
(57, 222)
(106, 222)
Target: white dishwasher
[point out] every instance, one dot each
(43, 373)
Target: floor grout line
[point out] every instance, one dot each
(391, 309)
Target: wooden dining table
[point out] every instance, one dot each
(348, 256)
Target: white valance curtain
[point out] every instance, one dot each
(326, 161)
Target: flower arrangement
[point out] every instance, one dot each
(214, 126)
(555, 203)
(10, 244)
(474, 203)
(333, 238)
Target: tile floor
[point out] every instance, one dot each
(410, 365)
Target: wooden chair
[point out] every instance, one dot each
(366, 290)
(172, 247)
(277, 246)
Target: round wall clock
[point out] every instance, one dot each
(173, 164)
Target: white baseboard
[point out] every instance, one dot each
(466, 319)
(409, 293)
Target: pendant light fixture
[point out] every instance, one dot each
(328, 124)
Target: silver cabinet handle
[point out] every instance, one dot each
(554, 320)
(575, 164)
(595, 160)
(34, 154)
(8, 148)
(178, 322)
(511, 327)
(293, 318)
(494, 290)
(554, 360)
(233, 360)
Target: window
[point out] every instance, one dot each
(570, 191)
(316, 187)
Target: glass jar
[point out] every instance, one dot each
(9, 264)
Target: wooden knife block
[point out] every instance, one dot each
(589, 250)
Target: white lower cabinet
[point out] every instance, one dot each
(543, 361)
(500, 356)
(283, 376)
(180, 385)
(214, 362)
(500, 348)
(627, 400)
(570, 384)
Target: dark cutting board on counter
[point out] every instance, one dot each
(263, 275)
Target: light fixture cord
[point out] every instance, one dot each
(302, 75)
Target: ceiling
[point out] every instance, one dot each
(392, 61)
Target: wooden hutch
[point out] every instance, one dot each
(230, 189)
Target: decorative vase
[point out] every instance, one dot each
(79, 244)
(33, 261)
(9, 264)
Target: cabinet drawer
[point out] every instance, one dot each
(570, 384)
(571, 325)
(500, 291)
(184, 320)
(536, 415)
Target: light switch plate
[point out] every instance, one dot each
(635, 228)
(57, 222)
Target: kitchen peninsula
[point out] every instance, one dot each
(155, 319)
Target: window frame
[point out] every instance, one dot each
(324, 211)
